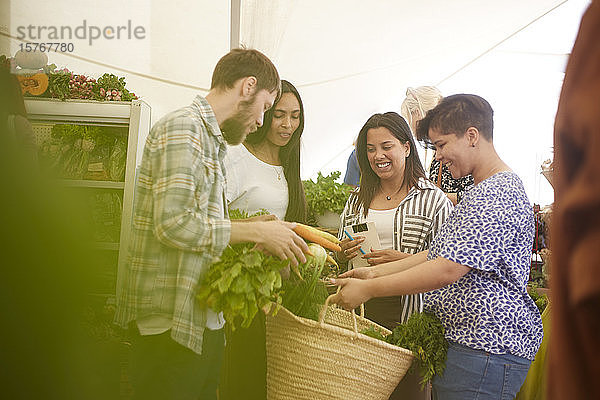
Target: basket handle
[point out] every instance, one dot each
(362, 306)
(324, 311)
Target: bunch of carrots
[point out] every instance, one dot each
(317, 236)
(311, 234)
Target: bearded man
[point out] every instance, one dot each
(181, 226)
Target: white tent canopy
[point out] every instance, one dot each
(348, 58)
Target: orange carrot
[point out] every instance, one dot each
(313, 237)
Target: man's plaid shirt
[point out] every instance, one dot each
(180, 222)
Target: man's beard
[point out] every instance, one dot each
(236, 128)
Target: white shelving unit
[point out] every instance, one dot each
(135, 115)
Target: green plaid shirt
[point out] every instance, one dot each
(180, 222)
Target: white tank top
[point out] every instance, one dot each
(384, 223)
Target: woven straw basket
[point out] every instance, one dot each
(330, 359)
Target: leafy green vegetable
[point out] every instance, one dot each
(236, 213)
(240, 283)
(245, 280)
(374, 333)
(70, 132)
(86, 151)
(305, 297)
(326, 194)
(423, 334)
(58, 85)
(117, 160)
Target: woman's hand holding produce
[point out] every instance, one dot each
(352, 294)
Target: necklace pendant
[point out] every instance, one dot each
(388, 197)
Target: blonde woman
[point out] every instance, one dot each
(414, 107)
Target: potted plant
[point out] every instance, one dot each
(326, 199)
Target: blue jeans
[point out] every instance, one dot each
(477, 375)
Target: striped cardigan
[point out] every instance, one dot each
(416, 221)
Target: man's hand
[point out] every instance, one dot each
(278, 239)
(284, 272)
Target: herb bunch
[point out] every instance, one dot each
(236, 213)
(246, 280)
(423, 334)
(240, 283)
(305, 297)
(59, 84)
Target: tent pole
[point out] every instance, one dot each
(234, 34)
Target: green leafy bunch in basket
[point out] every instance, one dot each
(423, 334)
(245, 280)
(240, 283)
(304, 294)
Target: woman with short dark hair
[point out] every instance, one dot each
(417, 102)
(475, 274)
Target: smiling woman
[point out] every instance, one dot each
(465, 144)
(407, 211)
(474, 276)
